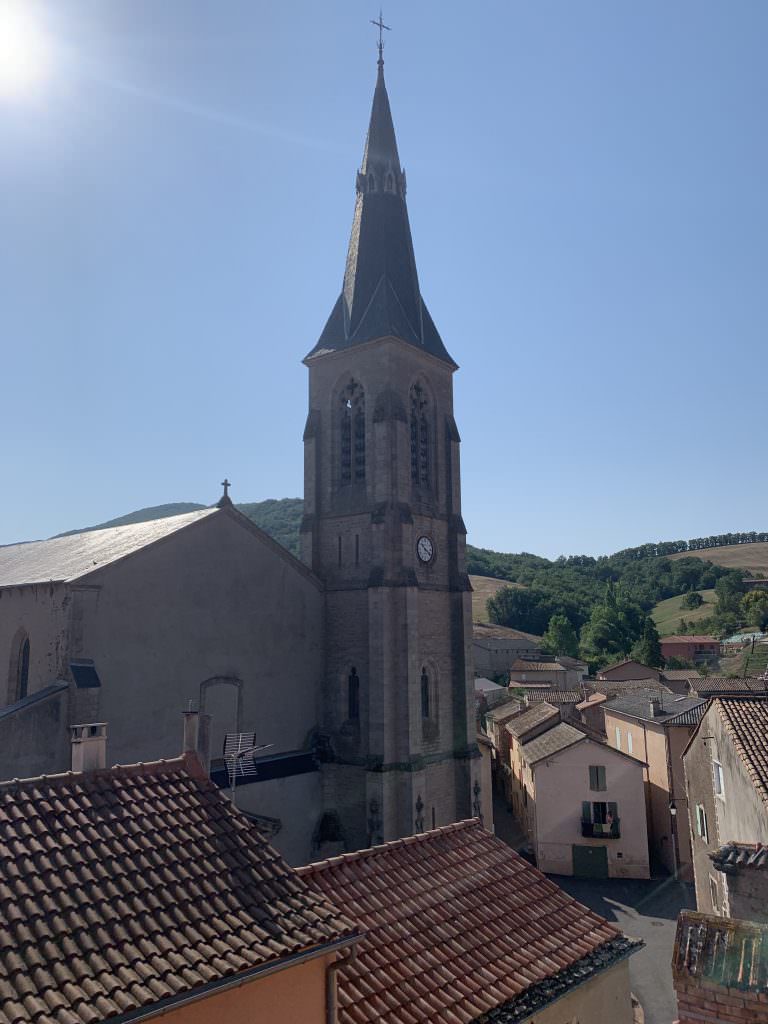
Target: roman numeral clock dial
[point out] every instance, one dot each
(425, 549)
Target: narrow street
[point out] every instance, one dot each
(641, 909)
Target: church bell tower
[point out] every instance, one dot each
(383, 530)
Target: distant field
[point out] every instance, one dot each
(667, 614)
(753, 557)
(485, 587)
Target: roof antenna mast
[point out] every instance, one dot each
(381, 26)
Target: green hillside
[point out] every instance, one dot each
(142, 515)
(279, 517)
(667, 614)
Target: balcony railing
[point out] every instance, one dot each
(594, 830)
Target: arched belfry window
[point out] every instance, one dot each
(353, 696)
(421, 453)
(352, 434)
(22, 671)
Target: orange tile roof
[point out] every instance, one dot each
(125, 887)
(458, 925)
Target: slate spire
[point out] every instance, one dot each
(380, 296)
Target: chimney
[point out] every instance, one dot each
(656, 708)
(197, 736)
(89, 746)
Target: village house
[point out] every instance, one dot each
(552, 672)
(537, 718)
(565, 699)
(726, 773)
(724, 686)
(590, 711)
(629, 669)
(690, 648)
(585, 806)
(140, 893)
(655, 729)
(459, 928)
(720, 970)
(744, 870)
(495, 720)
(495, 648)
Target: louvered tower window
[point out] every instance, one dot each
(352, 435)
(421, 455)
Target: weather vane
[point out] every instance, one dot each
(381, 26)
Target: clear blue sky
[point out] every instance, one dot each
(587, 191)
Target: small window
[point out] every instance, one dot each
(629, 742)
(353, 696)
(22, 682)
(618, 738)
(425, 701)
(718, 779)
(597, 777)
(701, 823)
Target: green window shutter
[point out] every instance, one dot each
(586, 810)
(592, 777)
(601, 777)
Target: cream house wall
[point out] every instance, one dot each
(561, 783)
(660, 746)
(604, 999)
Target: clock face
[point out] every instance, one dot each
(425, 549)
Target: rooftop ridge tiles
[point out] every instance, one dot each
(393, 844)
(163, 766)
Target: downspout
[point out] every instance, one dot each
(331, 994)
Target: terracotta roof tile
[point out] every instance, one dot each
(458, 925)
(89, 929)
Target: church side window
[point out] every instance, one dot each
(421, 461)
(352, 434)
(22, 671)
(425, 695)
(353, 695)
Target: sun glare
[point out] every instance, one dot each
(24, 51)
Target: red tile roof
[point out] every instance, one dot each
(121, 888)
(458, 925)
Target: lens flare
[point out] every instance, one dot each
(24, 50)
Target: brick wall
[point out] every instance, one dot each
(707, 1003)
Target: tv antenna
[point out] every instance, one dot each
(239, 748)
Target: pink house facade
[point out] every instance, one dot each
(586, 811)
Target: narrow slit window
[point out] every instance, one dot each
(353, 696)
(425, 695)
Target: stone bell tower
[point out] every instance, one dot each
(383, 530)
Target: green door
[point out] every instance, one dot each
(590, 861)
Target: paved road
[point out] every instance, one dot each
(643, 910)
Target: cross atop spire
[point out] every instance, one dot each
(381, 26)
(380, 295)
(225, 498)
